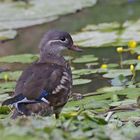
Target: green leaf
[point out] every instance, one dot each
(81, 81)
(19, 58)
(85, 59)
(117, 72)
(109, 89)
(9, 34)
(11, 75)
(129, 62)
(84, 71)
(4, 110)
(7, 87)
(19, 15)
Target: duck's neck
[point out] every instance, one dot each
(52, 58)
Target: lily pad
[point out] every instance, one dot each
(4, 110)
(84, 71)
(117, 72)
(20, 58)
(102, 27)
(9, 34)
(75, 76)
(109, 89)
(3, 97)
(131, 93)
(129, 62)
(108, 34)
(7, 87)
(137, 66)
(90, 65)
(10, 75)
(13, 15)
(85, 59)
(137, 50)
(131, 31)
(81, 81)
(127, 115)
(112, 65)
(94, 38)
(88, 103)
(125, 102)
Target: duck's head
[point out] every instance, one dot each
(54, 41)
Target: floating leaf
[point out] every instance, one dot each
(137, 50)
(4, 110)
(125, 102)
(108, 34)
(11, 75)
(109, 89)
(9, 34)
(131, 31)
(88, 102)
(90, 65)
(137, 66)
(75, 76)
(129, 62)
(81, 81)
(112, 65)
(102, 27)
(85, 59)
(14, 15)
(84, 71)
(7, 87)
(3, 96)
(19, 58)
(117, 72)
(95, 38)
(127, 115)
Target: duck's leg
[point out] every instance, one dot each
(16, 114)
(57, 110)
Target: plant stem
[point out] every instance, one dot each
(121, 59)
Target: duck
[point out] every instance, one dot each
(45, 86)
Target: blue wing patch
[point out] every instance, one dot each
(15, 101)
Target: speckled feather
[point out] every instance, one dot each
(50, 73)
(46, 76)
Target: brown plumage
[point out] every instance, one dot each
(51, 74)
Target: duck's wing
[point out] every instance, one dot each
(37, 79)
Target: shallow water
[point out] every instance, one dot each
(28, 38)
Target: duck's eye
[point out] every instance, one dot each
(63, 39)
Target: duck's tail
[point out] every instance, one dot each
(13, 100)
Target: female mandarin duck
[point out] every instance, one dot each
(46, 84)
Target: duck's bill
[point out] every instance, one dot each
(75, 48)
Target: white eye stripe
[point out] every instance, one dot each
(52, 41)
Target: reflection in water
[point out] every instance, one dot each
(28, 38)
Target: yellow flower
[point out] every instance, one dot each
(104, 66)
(6, 77)
(132, 68)
(132, 44)
(120, 49)
(138, 57)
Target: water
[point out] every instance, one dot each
(28, 38)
